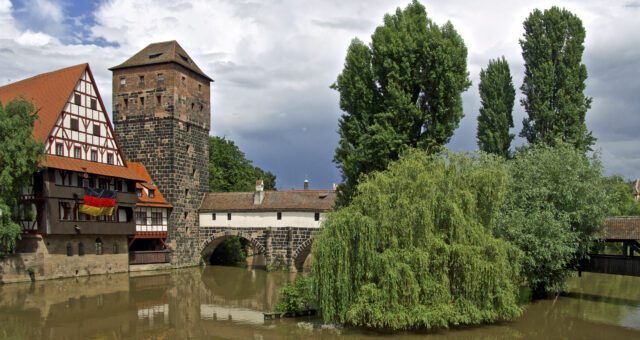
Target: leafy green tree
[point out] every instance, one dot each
(555, 206)
(402, 90)
(414, 249)
(230, 170)
(497, 95)
(554, 79)
(19, 155)
(624, 204)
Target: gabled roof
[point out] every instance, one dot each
(49, 92)
(160, 53)
(145, 200)
(290, 200)
(79, 165)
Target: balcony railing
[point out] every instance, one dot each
(149, 256)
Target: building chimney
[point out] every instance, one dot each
(306, 184)
(258, 195)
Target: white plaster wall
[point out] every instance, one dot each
(261, 219)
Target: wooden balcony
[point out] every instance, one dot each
(149, 256)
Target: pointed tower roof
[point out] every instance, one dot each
(160, 53)
(49, 92)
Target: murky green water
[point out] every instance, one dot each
(227, 303)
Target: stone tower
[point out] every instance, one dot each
(161, 115)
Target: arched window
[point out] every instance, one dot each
(115, 248)
(98, 246)
(69, 250)
(80, 249)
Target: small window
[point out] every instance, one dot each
(213, 216)
(80, 249)
(159, 99)
(316, 216)
(279, 214)
(188, 127)
(201, 107)
(77, 99)
(96, 129)
(77, 152)
(94, 155)
(123, 81)
(109, 158)
(74, 124)
(185, 215)
(183, 80)
(156, 218)
(192, 105)
(152, 193)
(160, 76)
(199, 88)
(115, 248)
(126, 103)
(69, 250)
(139, 192)
(94, 104)
(229, 216)
(141, 101)
(59, 149)
(193, 172)
(186, 192)
(188, 147)
(141, 80)
(98, 246)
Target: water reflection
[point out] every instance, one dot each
(225, 302)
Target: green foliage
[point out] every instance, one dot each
(232, 251)
(296, 296)
(229, 170)
(624, 204)
(402, 90)
(555, 205)
(554, 79)
(497, 95)
(415, 248)
(19, 155)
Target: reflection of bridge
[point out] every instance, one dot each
(621, 230)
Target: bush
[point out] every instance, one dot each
(296, 296)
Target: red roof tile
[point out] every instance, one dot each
(49, 92)
(291, 200)
(622, 228)
(79, 165)
(145, 200)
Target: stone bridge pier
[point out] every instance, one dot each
(281, 246)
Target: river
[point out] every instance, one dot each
(227, 303)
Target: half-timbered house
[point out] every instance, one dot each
(81, 150)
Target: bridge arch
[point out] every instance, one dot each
(301, 253)
(210, 244)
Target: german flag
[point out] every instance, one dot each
(98, 202)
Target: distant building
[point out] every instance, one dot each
(161, 113)
(636, 189)
(80, 148)
(259, 209)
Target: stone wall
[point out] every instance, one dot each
(47, 257)
(286, 247)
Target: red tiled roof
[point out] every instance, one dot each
(49, 92)
(160, 53)
(622, 228)
(79, 165)
(291, 200)
(145, 200)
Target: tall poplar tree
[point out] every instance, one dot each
(402, 90)
(497, 95)
(554, 79)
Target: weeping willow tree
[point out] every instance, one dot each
(415, 247)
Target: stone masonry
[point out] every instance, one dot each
(282, 247)
(161, 116)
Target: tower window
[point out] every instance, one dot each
(77, 152)
(94, 104)
(201, 107)
(77, 99)
(279, 215)
(141, 80)
(74, 124)
(142, 101)
(96, 129)
(59, 149)
(192, 105)
(159, 99)
(199, 88)
(123, 81)
(94, 155)
(186, 192)
(185, 215)
(183, 80)
(160, 76)
(126, 103)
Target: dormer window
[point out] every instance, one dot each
(152, 193)
(139, 192)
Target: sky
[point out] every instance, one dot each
(273, 62)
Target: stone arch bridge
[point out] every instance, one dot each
(281, 246)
